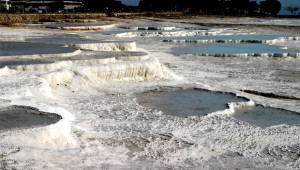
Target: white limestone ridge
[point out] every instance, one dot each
(149, 27)
(115, 71)
(163, 34)
(125, 71)
(74, 62)
(107, 46)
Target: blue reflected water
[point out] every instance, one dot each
(228, 37)
(229, 48)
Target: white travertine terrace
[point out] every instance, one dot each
(104, 127)
(107, 46)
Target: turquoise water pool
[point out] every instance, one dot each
(228, 37)
(230, 48)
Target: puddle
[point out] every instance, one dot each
(231, 49)
(266, 117)
(197, 102)
(19, 117)
(184, 103)
(26, 48)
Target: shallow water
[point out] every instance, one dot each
(228, 37)
(230, 49)
(26, 48)
(67, 39)
(265, 117)
(184, 103)
(62, 39)
(22, 117)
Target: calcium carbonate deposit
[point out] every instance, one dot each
(79, 97)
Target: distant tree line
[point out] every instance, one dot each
(292, 9)
(226, 7)
(102, 5)
(217, 7)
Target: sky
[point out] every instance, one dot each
(131, 2)
(284, 3)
